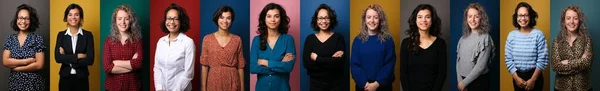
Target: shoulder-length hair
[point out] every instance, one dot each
(413, 31)
(34, 21)
(283, 27)
(484, 24)
(184, 19)
(532, 15)
(582, 29)
(383, 30)
(134, 28)
(330, 13)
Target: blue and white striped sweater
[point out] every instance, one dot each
(526, 52)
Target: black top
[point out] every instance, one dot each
(85, 45)
(325, 67)
(425, 70)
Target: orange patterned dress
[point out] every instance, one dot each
(223, 63)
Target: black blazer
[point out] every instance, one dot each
(85, 45)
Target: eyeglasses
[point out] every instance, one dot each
(172, 19)
(522, 15)
(323, 19)
(22, 18)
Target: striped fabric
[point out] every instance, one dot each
(526, 52)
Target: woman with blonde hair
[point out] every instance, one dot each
(373, 52)
(475, 50)
(122, 53)
(572, 52)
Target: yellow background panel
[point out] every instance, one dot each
(91, 22)
(392, 10)
(507, 9)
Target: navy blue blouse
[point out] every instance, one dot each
(25, 81)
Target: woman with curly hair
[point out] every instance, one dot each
(572, 52)
(475, 50)
(373, 52)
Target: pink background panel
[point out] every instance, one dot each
(292, 8)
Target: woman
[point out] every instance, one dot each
(423, 54)
(525, 50)
(75, 51)
(222, 53)
(174, 57)
(272, 54)
(373, 52)
(122, 55)
(323, 52)
(572, 52)
(24, 52)
(475, 50)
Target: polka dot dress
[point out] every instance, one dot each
(25, 81)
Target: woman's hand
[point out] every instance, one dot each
(313, 56)
(288, 57)
(263, 62)
(338, 54)
(61, 50)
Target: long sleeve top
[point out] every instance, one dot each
(276, 76)
(526, 52)
(424, 70)
(325, 67)
(373, 60)
(474, 51)
(575, 75)
(80, 43)
(174, 63)
(115, 50)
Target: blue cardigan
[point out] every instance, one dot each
(373, 60)
(276, 76)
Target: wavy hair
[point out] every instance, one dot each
(532, 15)
(283, 27)
(134, 28)
(413, 31)
(582, 29)
(484, 24)
(383, 33)
(34, 21)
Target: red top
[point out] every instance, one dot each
(114, 50)
(224, 63)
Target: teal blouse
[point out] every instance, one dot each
(276, 76)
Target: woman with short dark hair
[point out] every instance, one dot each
(24, 52)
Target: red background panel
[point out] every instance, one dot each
(157, 8)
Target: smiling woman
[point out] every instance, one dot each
(373, 52)
(74, 50)
(526, 52)
(24, 52)
(122, 52)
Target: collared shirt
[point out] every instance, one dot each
(575, 75)
(115, 50)
(526, 52)
(174, 63)
(74, 38)
(74, 43)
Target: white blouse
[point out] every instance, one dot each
(174, 63)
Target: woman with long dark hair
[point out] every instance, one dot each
(423, 59)
(272, 55)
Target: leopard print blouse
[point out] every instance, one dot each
(575, 75)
